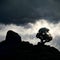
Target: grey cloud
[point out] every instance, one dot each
(57, 0)
(24, 11)
(56, 42)
(28, 32)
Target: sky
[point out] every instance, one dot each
(26, 17)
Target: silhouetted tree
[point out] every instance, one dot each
(44, 35)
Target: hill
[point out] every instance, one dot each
(13, 48)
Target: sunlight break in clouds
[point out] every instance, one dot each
(28, 32)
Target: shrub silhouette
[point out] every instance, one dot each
(44, 35)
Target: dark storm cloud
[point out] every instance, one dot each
(24, 11)
(57, 0)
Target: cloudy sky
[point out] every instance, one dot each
(26, 17)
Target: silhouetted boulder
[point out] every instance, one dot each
(13, 38)
(10, 44)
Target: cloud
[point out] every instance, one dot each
(29, 31)
(25, 11)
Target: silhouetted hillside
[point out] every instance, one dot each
(14, 48)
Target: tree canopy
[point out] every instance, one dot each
(44, 35)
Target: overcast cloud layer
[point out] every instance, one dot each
(24, 11)
(28, 32)
(35, 14)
